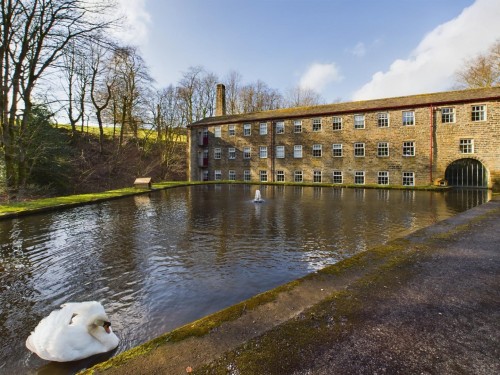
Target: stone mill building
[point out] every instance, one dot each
(442, 138)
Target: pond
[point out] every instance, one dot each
(159, 261)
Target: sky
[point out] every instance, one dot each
(344, 49)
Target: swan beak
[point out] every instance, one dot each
(106, 326)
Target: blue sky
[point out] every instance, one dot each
(346, 50)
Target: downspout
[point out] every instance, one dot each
(273, 130)
(431, 110)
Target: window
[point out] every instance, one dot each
(447, 115)
(217, 132)
(217, 153)
(231, 175)
(246, 175)
(247, 130)
(478, 112)
(409, 148)
(297, 126)
(359, 121)
(383, 120)
(232, 130)
(317, 176)
(280, 176)
(217, 175)
(297, 176)
(467, 146)
(359, 149)
(231, 153)
(280, 127)
(383, 178)
(337, 177)
(317, 151)
(316, 126)
(205, 175)
(408, 118)
(359, 177)
(263, 176)
(337, 150)
(280, 152)
(263, 152)
(383, 149)
(297, 151)
(247, 152)
(408, 179)
(337, 123)
(263, 128)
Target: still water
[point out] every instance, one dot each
(157, 262)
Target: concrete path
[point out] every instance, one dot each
(426, 304)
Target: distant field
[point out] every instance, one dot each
(108, 132)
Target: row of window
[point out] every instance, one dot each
(466, 146)
(478, 113)
(408, 178)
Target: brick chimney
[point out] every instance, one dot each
(220, 100)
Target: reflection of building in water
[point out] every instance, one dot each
(413, 140)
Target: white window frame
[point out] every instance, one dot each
(383, 149)
(280, 127)
(217, 153)
(217, 175)
(247, 152)
(218, 131)
(409, 148)
(383, 119)
(383, 178)
(359, 121)
(337, 123)
(316, 124)
(336, 175)
(406, 116)
(231, 130)
(280, 176)
(478, 113)
(280, 152)
(263, 175)
(263, 128)
(297, 151)
(359, 175)
(337, 151)
(247, 176)
(317, 150)
(247, 130)
(231, 153)
(357, 147)
(408, 179)
(317, 176)
(298, 176)
(466, 146)
(297, 126)
(447, 115)
(231, 175)
(263, 152)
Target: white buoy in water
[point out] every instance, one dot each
(257, 198)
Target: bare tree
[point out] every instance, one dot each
(233, 83)
(33, 36)
(259, 96)
(482, 70)
(299, 97)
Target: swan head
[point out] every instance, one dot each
(102, 322)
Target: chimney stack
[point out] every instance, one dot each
(220, 100)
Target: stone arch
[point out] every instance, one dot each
(467, 172)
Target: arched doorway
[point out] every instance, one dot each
(467, 173)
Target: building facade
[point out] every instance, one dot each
(450, 137)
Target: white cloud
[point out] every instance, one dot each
(136, 21)
(432, 65)
(359, 50)
(318, 76)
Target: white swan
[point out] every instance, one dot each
(78, 330)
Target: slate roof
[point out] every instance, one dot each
(402, 102)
